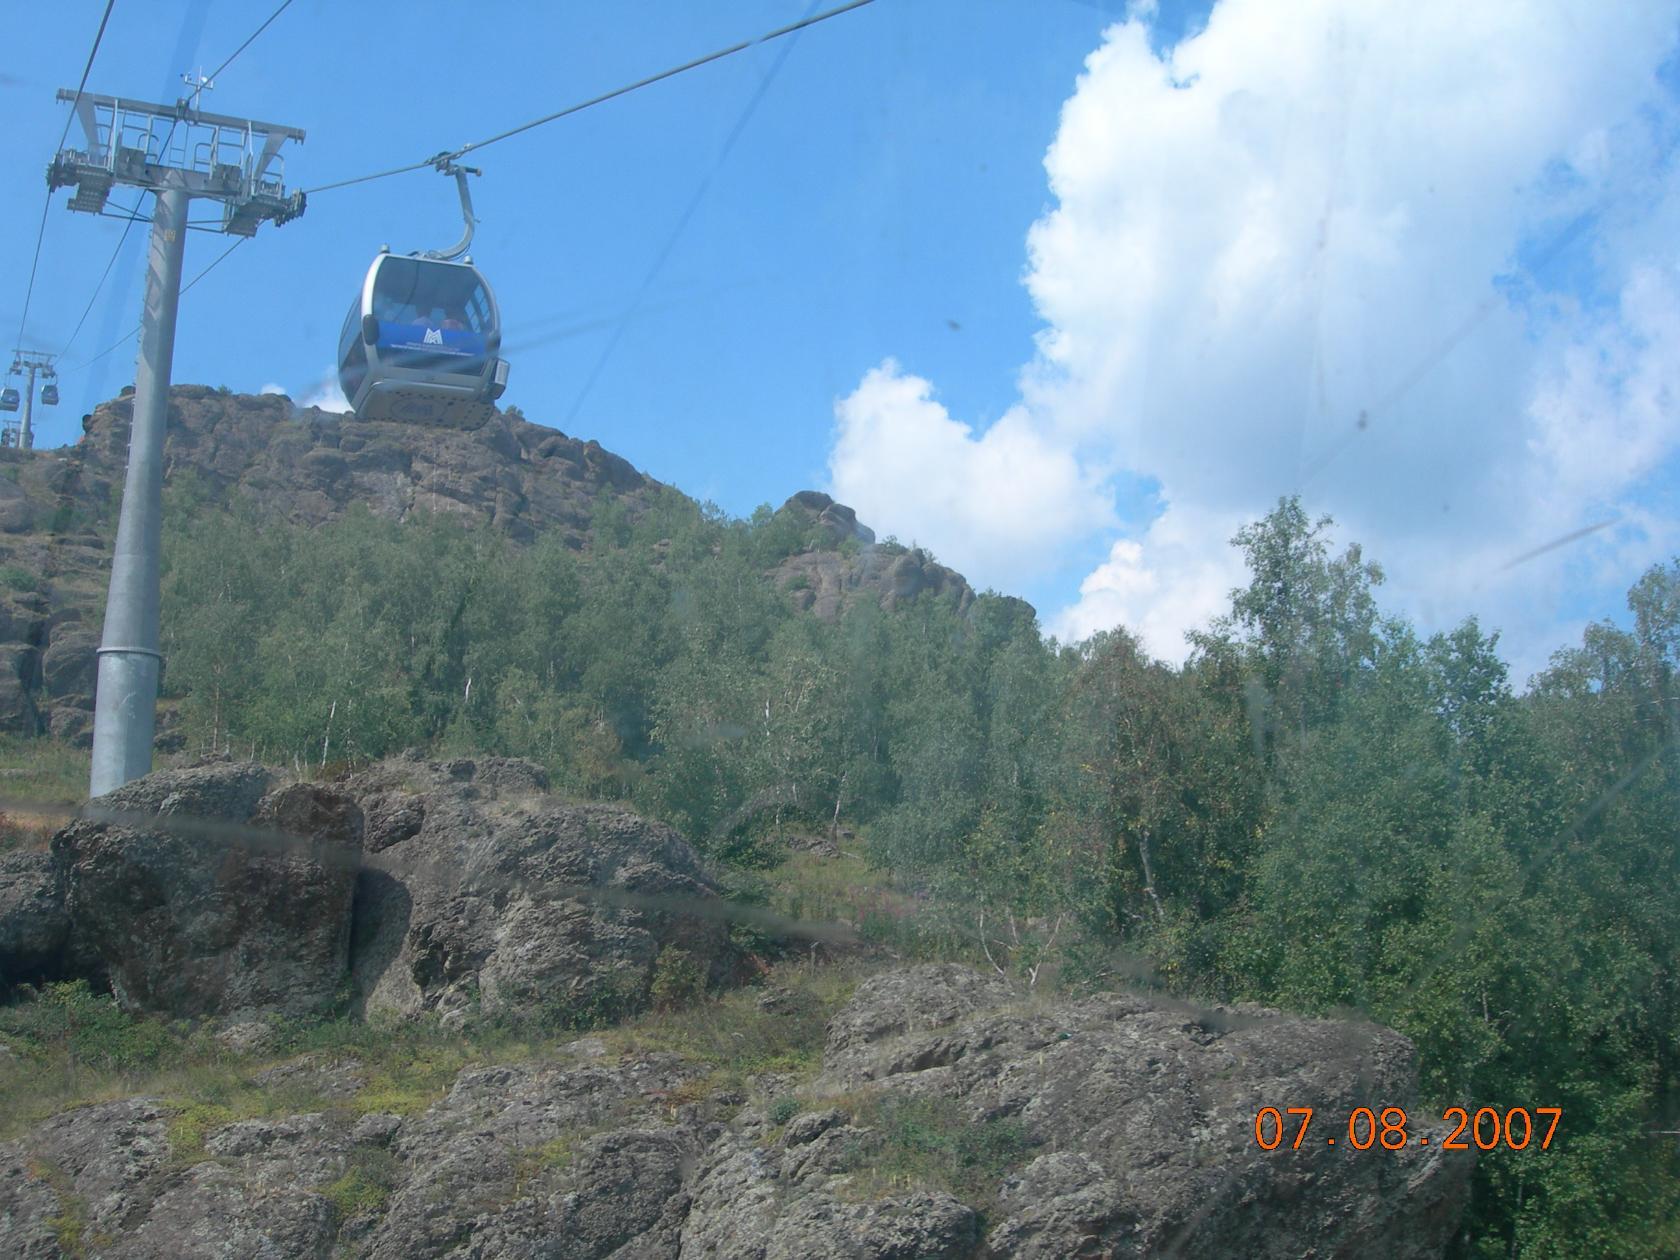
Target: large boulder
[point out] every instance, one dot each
(480, 889)
(203, 893)
(1138, 1119)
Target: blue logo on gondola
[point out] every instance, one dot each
(430, 341)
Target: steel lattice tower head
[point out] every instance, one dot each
(161, 147)
(176, 152)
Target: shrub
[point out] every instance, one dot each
(91, 1030)
(677, 979)
(15, 578)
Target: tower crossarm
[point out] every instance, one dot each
(159, 147)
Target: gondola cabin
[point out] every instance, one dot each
(49, 395)
(421, 342)
(8, 399)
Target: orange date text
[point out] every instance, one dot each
(1486, 1128)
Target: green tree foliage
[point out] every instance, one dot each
(1322, 809)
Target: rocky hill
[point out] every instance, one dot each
(57, 517)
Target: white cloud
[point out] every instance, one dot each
(1177, 578)
(992, 505)
(1319, 247)
(325, 394)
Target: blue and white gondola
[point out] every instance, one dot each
(420, 343)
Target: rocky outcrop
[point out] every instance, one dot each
(1138, 1119)
(311, 465)
(57, 515)
(1131, 1135)
(838, 564)
(57, 519)
(203, 893)
(479, 890)
(451, 887)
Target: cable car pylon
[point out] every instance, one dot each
(176, 152)
(31, 364)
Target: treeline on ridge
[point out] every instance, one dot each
(1321, 810)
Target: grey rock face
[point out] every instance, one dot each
(34, 927)
(826, 583)
(1145, 1111)
(203, 896)
(574, 1161)
(102, 1166)
(483, 890)
(1137, 1118)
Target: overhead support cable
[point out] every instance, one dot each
(41, 231)
(250, 39)
(449, 155)
(133, 216)
(185, 288)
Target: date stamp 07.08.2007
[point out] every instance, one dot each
(1387, 1129)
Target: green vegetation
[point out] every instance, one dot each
(73, 1046)
(740, 1033)
(1322, 810)
(933, 1141)
(70, 1225)
(366, 1184)
(14, 578)
(43, 780)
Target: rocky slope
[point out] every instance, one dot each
(953, 1116)
(1125, 1130)
(57, 517)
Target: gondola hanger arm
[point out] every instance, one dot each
(446, 165)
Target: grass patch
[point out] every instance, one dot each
(72, 1047)
(195, 1120)
(372, 1173)
(935, 1142)
(69, 1225)
(848, 889)
(745, 1032)
(44, 780)
(551, 1157)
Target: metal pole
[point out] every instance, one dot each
(26, 438)
(125, 702)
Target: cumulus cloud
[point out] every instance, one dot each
(1410, 261)
(325, 394)
(1162, 586)
(992, 504)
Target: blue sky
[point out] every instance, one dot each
(1062, 295)
(880, 188)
